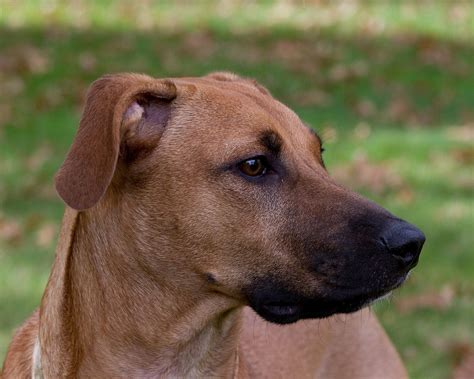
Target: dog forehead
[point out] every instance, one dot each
(233, 107)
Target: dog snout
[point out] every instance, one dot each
(404, 242)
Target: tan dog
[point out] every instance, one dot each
(189, 199)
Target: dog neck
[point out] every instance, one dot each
(106, 314)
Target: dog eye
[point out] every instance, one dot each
(254, 166)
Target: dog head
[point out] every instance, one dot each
(229, 188)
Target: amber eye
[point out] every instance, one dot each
(253, 167)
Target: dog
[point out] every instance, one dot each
(200, 218)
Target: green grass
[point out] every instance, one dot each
(390, 82)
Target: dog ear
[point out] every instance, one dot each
(112, 108)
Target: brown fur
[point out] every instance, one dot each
(157, 244)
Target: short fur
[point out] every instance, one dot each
(165, 243)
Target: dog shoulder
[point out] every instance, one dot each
(271, 350)
(361, 349)
(18, 360)
(352, 346)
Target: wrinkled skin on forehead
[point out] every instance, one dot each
(290, 237)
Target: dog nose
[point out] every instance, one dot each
(404, 242)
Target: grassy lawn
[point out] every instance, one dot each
(389, 85)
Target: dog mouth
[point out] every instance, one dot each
(281, 312)
(286, 307)
(287, 313)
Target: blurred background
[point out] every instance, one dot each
(388, 84)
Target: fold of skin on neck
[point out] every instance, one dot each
(108, 313)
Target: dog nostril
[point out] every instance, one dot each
(404, 242)
(407, 254)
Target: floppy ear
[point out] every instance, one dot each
(90, 163)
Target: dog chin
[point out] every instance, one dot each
(287, 313)
(282, 307)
